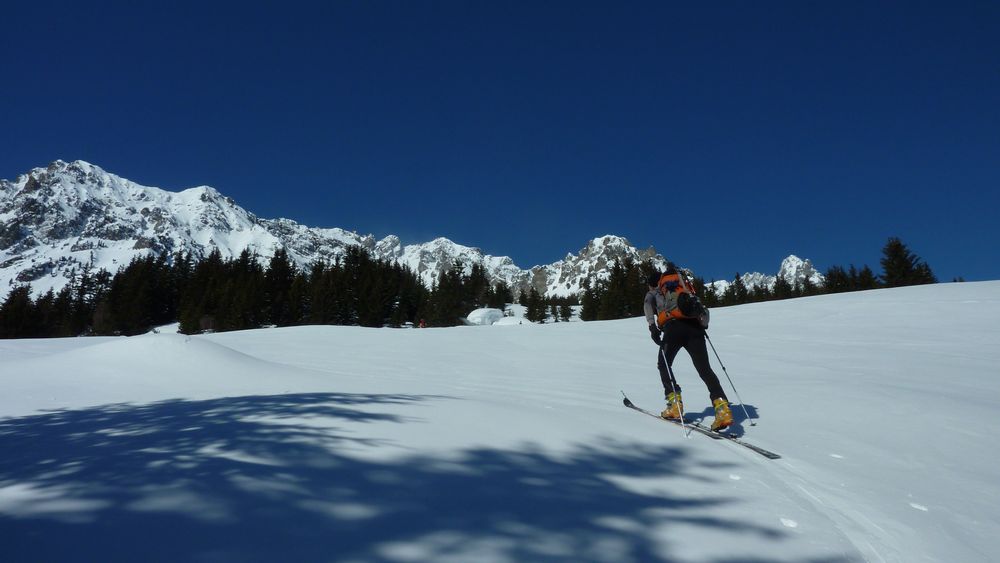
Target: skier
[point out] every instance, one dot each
(671, 330)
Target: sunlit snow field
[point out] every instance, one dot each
(510, 443)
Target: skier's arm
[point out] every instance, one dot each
(649, 308)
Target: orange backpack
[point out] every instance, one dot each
(688, 304)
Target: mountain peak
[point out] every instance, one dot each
(76, 167)
(204, 193)
(70, 215)
(607, 241)
(793, 270)
(796, 270)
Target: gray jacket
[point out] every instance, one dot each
(656, 302)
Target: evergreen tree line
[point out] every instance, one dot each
(216, 294)
(616, 296)
(539, 309)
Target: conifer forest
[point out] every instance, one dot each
(216, 294)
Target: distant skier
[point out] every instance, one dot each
(677, 320)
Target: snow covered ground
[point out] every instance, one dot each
(510, 443)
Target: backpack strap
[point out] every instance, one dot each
(687, 287)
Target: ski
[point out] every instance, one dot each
(702, 429)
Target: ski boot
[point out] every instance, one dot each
(675, 408)
(723, 416)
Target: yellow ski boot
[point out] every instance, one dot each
(675, 408)
(723, 416)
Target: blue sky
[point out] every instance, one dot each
(727, 134)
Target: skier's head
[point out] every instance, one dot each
(652, 280)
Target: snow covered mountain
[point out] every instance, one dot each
(58, 220)
(793, 270)
(594, 261)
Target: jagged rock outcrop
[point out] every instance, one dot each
(54, 221)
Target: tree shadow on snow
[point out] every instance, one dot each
(278, 478)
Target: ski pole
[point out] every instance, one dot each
(740, 399)
(673, 390)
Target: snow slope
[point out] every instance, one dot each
(509, 443)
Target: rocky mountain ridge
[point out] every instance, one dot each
(57, 220)
(793, 269)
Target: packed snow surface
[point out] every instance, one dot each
(510, 443)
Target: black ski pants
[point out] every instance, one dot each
(685, 334)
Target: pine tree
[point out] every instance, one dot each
(477, 288)
(736, 293)
(500, 296)
(17, 314)
(536, 307)
(446, 307)
(808, 287)
(759, 293)
(198, 305)
(413, 296)
(901, 267)
(709, 297)
(852, 277)
(139, 298)
(837, 280)
(44, 314)
(62, 313)
(924, 275)
(566, 312)
(298, 300)
(619, 296)
(278, 281)
(590, 301)
(867, 279)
